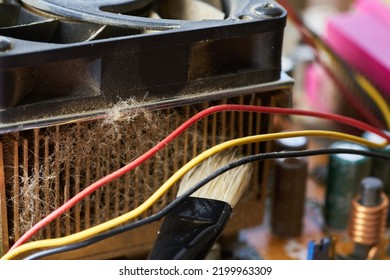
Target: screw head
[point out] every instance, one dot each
(5, 44)
(267, 10)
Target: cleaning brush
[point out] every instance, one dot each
(191, 229)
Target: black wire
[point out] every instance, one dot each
(178, 200)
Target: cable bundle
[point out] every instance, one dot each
(94, 231)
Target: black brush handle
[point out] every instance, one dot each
(189, 231)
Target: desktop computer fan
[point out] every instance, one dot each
(86, 86)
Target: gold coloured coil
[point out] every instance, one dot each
(368, 224)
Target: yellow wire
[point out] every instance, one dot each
(40, 244)
(365, 84)
(374, 94)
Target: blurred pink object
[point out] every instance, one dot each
(320, 92)
(376, 8)
(362, 38)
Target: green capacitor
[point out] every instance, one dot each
(345, 171)
(380, 168)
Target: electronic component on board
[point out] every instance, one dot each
(344, 176)
(368, 219)
(289, 196)
(320, 251)
(380, 168)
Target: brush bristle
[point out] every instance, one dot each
(228, 187)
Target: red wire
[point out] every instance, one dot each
(227, 107)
